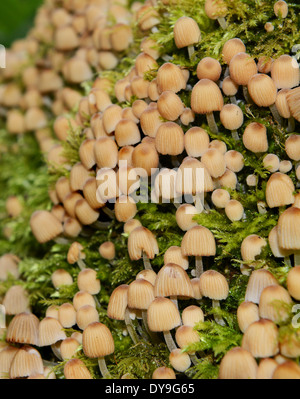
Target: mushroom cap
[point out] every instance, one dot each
(193, 177)
(293, 282)
(16, 300)
(252, 246)
(285, 72)
(273, 302)
(247, 313)
(172, 280)
(262, 90)
(23, 329)
(198, 241)
(27, 361)
(289, 229)
(238, 363)
(213, 285)
(231, 48)
(279, 190)
(162, 315)
(142, 240)
(231, 116)
(209, 68)
(45, 227)
(140, 294)
(186, 32)
(259, 279)
(97, 340)
(261, 339)
(118, 303)
(206, 97)
(75, 369)
(255, 137)
(241, 68)
(50, 331)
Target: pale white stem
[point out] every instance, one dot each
(103, 368)
(169, 341)
(211, 122)
(218, 319)
(222, 22)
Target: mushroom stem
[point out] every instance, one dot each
(232, 99)
(199, 266)
(56, 352)
(62, 241)
(235, 135)
(47, 363)
(173, 298)
(103, 368)
(275, 114)
(98, 305)
(212, 123)
(199, 203)
(296, 259)
(246, 95)
(147, 264)
(218, 319)
(81, 264)
(101, 225)
(194, 358)
(191, 51)
(222, 22)
(169, 341)
(291, 125)
(108, 212)
(287, 261)
(151, 334)
(130, 327)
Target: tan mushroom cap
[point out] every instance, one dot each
(214, 285)
(118, 303)
(262, 90)
(252, 246)
(247, 313)
(163, 315)
(293, 282)
(259, 279)
(27, 361)
(285, 72)
(206, 97)
(238, 363)
(255, 137)
(198, 241)
(274, 302)
(172, 280)
(279, 190)
(75, 369)
(289, 229)
(45, 227)
(140, 294)
(142, 240)
(97, 341)
(174, 255)
(50, 331)
(231, 48)
(16, 300)
(186, 32)
(241, 68)
(185, 336)
(261, 339)
(23, 329)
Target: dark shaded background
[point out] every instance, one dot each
(16, 18)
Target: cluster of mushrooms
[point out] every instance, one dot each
(137, 130)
